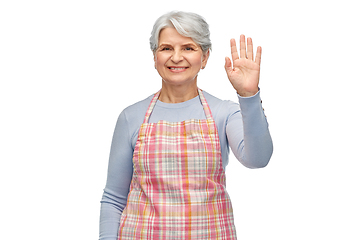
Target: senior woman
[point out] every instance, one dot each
(166, 176)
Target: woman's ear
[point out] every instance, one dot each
(205, 59)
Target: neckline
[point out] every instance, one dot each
(155, 100)
(178, 105)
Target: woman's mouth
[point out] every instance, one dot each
(177, 69)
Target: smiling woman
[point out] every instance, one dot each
(178, 61)
(166, 175)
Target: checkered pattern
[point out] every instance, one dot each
(178, 186)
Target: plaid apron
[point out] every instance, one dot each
(178, 185)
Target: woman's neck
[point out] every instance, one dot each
(178, 93)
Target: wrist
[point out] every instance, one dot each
(246, 94)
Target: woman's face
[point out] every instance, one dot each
(178, 59)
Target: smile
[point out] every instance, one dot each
(177, 68)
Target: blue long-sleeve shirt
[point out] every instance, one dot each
(241, 126)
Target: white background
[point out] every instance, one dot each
(68, 68)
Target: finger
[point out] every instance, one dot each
(242, 46)
(258, 55)
(234, 52)
(250, 53)
(228, 66)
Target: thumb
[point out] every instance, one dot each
(228, 66)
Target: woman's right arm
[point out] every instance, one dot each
(119, 177)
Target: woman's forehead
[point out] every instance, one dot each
(171, 37)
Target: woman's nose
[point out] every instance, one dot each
(177, 56)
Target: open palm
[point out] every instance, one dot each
(244, 72)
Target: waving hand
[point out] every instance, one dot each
(244, 72)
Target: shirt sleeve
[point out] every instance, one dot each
(120, 170)
(248, 133)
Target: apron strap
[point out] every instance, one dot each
(151, 106)
(205, 105)
(156, 97)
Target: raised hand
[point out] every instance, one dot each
(244, 72)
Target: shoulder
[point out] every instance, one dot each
(131, 118)
(221, 107)
(137, 110)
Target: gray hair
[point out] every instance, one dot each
(187, 24)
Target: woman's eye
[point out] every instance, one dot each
(188, 48)
(165, 49)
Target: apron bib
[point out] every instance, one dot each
(178, 185)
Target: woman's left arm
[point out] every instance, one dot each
(250, 141)
(248, 133)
